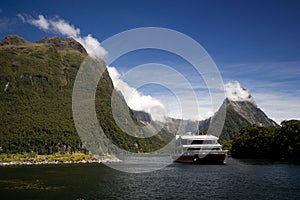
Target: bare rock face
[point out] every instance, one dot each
(142, 116)
(64, 44)
(238, 114)
(13, 40)
(251, 113)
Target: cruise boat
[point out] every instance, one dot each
(198, 149)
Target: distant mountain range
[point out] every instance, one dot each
(238, 114)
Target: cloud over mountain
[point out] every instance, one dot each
(135, 99)
(235, 92)
(57, 25)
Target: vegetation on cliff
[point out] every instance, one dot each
(36, 83)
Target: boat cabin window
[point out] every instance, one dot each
(204, 142)
(203, 148)
(197, 142)
(194, 149)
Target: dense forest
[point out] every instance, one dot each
(267, 142)
(36, 84)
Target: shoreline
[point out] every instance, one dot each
(59, 162)
(55, 159)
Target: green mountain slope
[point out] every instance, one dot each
(36, 82)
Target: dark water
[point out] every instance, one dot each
(239, 179)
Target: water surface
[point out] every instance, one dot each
(238, 179)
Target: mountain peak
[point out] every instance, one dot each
(241, 111)
(13, 40)
(59, 43)
(63, 43)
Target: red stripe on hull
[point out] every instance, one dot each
(209, 158)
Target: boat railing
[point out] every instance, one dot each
(201, 146)
(205, 151)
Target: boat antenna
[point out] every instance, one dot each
(198, 129)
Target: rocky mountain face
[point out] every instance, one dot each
(13, 40)
(142, 116)
(36, 84)
(250, 112)
(238, 109)
(238, 114)
(181, 126)
(63, 44)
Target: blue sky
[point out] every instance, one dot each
(256, 43)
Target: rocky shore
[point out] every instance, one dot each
(19, 159)
(59, 162)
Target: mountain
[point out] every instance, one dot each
(181, 126)
(142, 116)
(14, 40)
(238, 114)
(36, 84)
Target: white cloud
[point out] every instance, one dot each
(92, 46)
(57, 25)
(179, 102)
(235, 92)
(41, 23)
(64, 28)
(135, 99)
